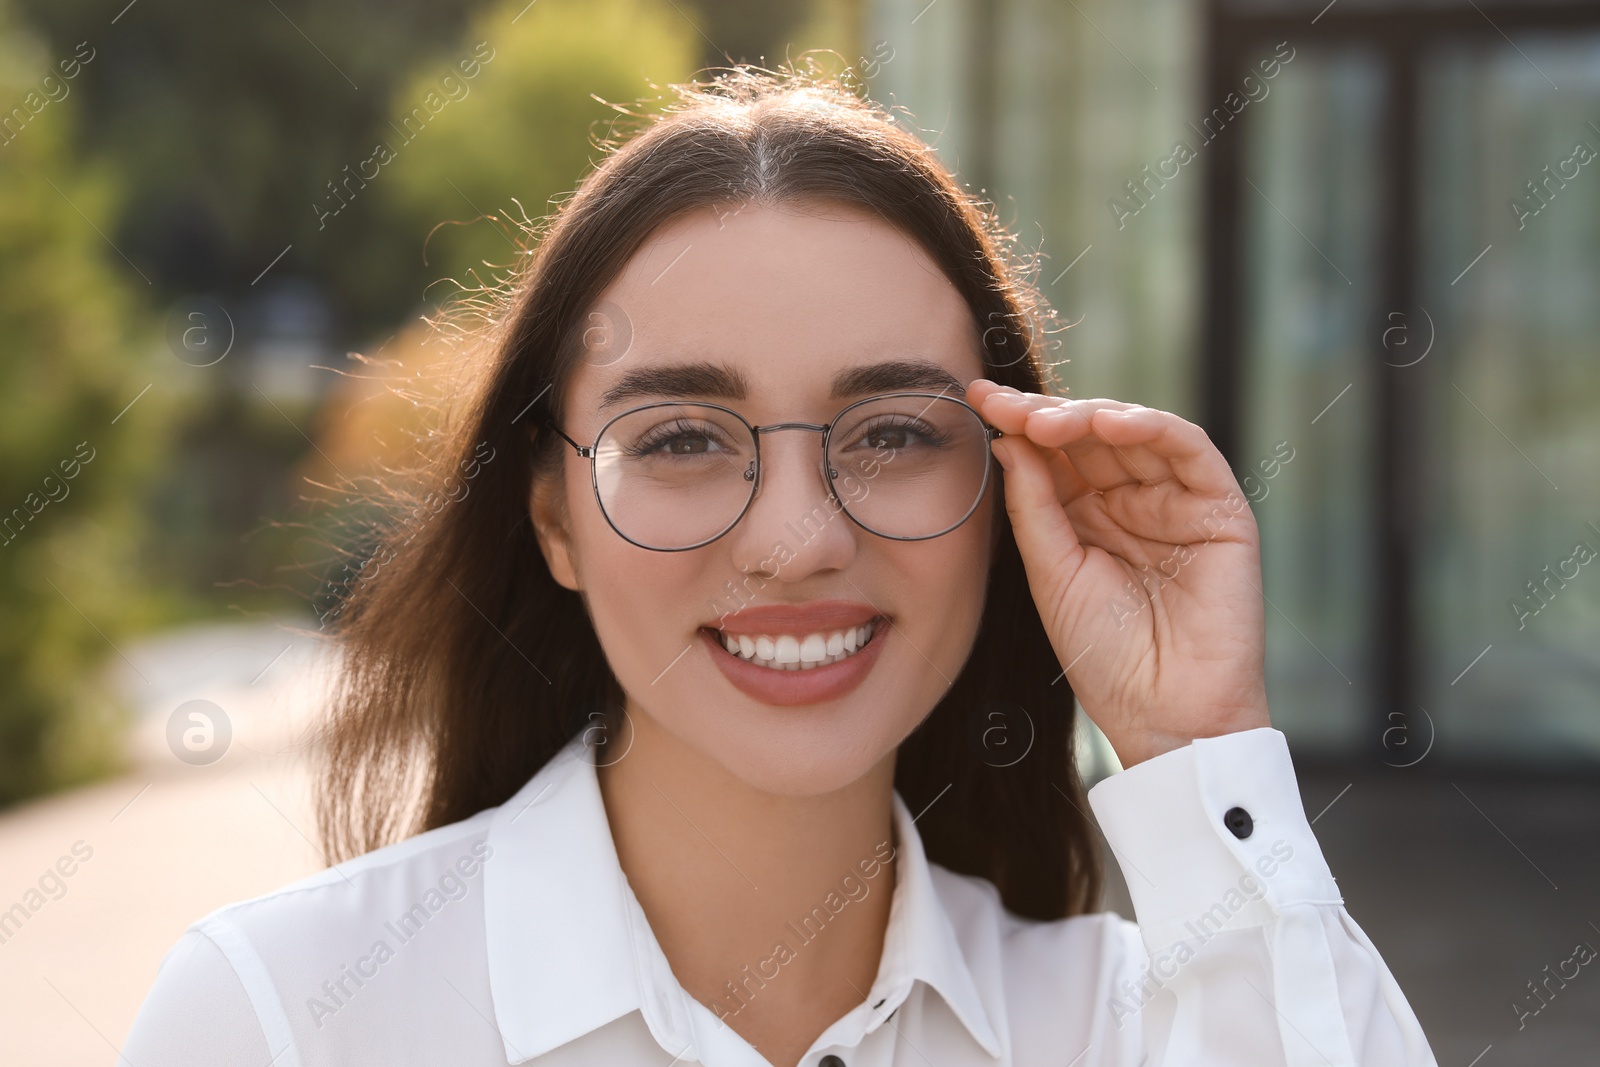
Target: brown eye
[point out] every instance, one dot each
(687, 444)
(888, 437)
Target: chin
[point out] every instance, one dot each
(796, 750)
(814, 763)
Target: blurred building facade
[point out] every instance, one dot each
(1359, 242)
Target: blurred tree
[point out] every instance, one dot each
(224, 122)
(75, 353)
(227, 122)
(524, 127)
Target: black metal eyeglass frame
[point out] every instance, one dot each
(753, 473)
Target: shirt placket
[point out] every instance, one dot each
(871, 1035)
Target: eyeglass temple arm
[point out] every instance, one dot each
(583, 450)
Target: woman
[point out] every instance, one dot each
(733, 685)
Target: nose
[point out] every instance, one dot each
(794, 526)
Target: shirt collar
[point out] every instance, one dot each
(921, 942)
(568, 949)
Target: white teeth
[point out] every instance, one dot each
(790, 652)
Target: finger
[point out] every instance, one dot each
(1009, 409)
(1144, 517)
(1059, 424)
(1045, 537)
(1146, 445)
(1118, 534)
(980, 389)
(1070, 485)
(1105, 465)
(1179, 446)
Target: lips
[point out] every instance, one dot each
(789, 655)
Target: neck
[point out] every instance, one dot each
(760, 902)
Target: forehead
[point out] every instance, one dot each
(789, 299)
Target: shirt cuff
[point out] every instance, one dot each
(1213, 836)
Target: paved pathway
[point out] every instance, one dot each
(155, 849)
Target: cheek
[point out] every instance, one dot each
(644, 607)
(939, 592)
(951, 587)
(636, 598)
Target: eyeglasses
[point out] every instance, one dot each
(673, 476)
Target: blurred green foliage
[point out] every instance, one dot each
(75, 350)
(523, 129)
(224, 121)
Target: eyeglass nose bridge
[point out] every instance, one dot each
(790, 426)
(824, 429)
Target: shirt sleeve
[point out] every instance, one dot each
(197, 1014)
(1249, 954)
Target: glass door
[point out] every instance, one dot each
(1417, 217)
(1310, 188)
(1508, 574)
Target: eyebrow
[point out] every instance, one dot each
(721, 382)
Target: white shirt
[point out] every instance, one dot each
(514, 936)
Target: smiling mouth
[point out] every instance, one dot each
(799, 652)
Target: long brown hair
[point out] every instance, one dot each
(466, 666)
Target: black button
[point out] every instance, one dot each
(830, 1061)
(1238, 822)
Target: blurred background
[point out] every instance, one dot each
(1357, 241)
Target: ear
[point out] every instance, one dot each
(547, 508)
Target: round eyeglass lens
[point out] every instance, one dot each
(909, 467)
(673, 476)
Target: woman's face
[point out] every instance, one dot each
(771, 309)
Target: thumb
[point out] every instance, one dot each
(1045, 537)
